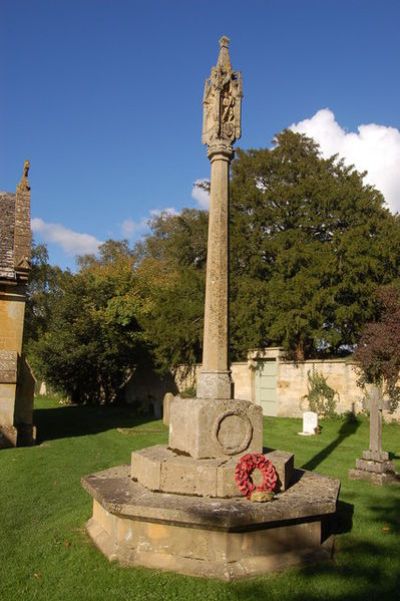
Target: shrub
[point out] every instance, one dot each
(320, 396)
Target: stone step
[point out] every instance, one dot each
(161, 469)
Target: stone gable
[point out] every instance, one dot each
(7, 232)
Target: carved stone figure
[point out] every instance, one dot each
(222, 101)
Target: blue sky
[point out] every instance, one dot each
(104, 98)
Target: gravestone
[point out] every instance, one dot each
(374, 464)
(166, 407)
(310, 423)
(178, 507)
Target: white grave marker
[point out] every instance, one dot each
(310, 423)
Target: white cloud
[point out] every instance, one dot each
(132, 229)
(73, 243)
(373, 148)
(167, 212)
(201, 196)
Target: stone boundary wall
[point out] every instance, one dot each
(292, 384)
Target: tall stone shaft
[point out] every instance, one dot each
(221, 127)
(215, 342)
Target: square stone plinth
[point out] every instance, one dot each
(375, 467)
(211, 429)
(160, 469)
(220, 538)
(377, 478)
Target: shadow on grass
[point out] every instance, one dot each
(387, 513)
(364, 566)
(71, 421)
(348, 428)
(362, 576)
(343, 519)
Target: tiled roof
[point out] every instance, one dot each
(7, 226)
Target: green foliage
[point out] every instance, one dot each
(171, 275)
(43, 290)
(188, 393)
(378, 350)
(178, 240)
(93, 338)
(321, 397)
(310, 242)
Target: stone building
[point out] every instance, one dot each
(16, 380)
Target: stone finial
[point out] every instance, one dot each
(222, 102)
(224, 60)
(22, 229)
(24, 182)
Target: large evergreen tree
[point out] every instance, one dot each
(171, 277)
(310, 242)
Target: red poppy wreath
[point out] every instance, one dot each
(244, 469)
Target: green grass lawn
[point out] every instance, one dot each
(45, 553)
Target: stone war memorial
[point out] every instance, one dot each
(16, 381)
(211, 502)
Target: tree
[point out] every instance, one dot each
(180, 240)
(43, 289)
(171, 278)
(310, 242)
(93, 339)
(378, 350)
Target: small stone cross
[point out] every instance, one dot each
(375, 419)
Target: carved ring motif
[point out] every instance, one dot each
(233, 431)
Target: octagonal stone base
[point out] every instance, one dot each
(220, 538)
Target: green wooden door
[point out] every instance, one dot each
(266, 386)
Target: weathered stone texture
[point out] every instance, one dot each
(22, 241)
(221, 538)
(8, 367)
(311, 495)
(12, 312)
(221, 128)
(215, 344)
(379, 479)
(168, 397)
(374, 464)
(291, 384)
(207, 429)
(7, 225)
(160, 469)
(16, 381)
